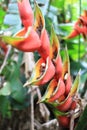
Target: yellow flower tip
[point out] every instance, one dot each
(39, 101)
(19, 0)
(26, 84)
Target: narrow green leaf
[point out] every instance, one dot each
(11, 40)
(75, 85)
(82, 123)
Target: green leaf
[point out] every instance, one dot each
(57, 112)
(2, 14)
(58, 3)
(11, 40)
(5, 106)
(82, 123)
(18, 92)
(6, 89)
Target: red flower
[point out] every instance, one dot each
(25, 40)
(80, 27)
(44, 49)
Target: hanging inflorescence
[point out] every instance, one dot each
(61, 94)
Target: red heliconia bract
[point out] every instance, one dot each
(73, 105)
(31, 42)
(49, 74)
(44, 50)
(59, 92)
(66, 105)
(68, 84)
(25, 12)
(58, 67)
(73, 34)
(64, 121)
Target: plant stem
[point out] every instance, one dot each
(32, 110)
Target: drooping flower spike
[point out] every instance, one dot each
(60, 93)
(61, 108)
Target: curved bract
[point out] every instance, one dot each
(59, 91)
(25, 40)
(44, 50)
(54, 45)
(26, 13)
(58, 67)
(42, 72)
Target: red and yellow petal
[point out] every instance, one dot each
(42, 73)
(44, 50)
(75, 85)
(58, 67)
(66, 105)
(54, 45)
(66, 64)
(59, 91)
(52, 85)
(68, 84)
(39, 23)
(25, 40)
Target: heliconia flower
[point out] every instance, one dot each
(25, 40)
(25, 12)
(61, 104)
(40, 74)
(80, 27)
